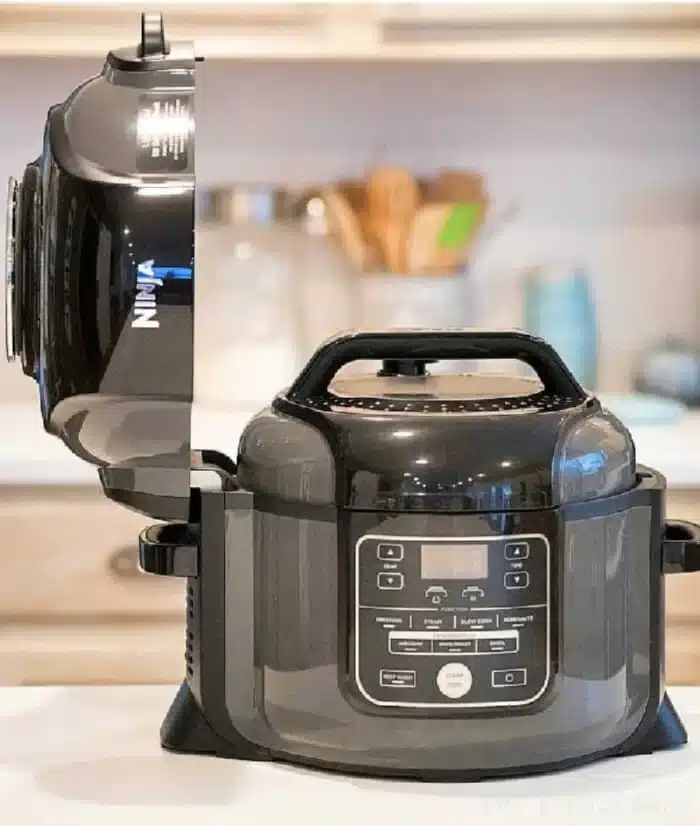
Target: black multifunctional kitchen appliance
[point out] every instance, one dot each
(401, 573)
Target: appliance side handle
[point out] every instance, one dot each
(169, 550)
(681, 547)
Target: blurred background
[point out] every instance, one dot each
(378, 164)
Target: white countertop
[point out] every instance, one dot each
(87, 756)
(674, 450)
(29, 455)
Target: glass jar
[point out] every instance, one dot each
(270, 287)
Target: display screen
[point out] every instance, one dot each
(444, 561)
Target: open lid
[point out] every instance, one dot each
(403, 439)
(100, 275)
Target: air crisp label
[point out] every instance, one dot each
(164, 132)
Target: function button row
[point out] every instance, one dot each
(482, 621)
(454, 679)
(394, 551)
(445, 643)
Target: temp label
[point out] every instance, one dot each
(164, 132)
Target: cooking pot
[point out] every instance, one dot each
(449, 576)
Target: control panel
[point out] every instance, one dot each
(460, 622)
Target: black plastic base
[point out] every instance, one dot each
(668, 732)
(186, 730)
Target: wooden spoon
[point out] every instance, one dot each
(423, 255)
(393, 197)
(355, 193)
(345, 226)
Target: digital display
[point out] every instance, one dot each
(444, 561)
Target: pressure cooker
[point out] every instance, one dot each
(448, 576)
(399, 571)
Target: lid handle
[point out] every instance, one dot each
(401, 345)
(153, 42)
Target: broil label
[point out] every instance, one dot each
(164, 130)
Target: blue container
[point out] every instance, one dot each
(560, 308)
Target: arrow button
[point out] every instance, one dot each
(518, 579)
(390, 582)
(517, 550)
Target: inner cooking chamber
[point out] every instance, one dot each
(291, 641)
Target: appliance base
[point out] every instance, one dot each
(186, 730)
(667, 732)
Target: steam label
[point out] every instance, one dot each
(164, 132)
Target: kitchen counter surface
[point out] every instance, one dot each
(86, 756)
(29, 455)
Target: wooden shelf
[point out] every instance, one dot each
(421, 31)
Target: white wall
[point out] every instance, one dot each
(603, 160)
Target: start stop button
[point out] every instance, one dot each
(454, 680)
